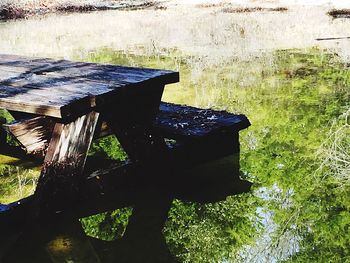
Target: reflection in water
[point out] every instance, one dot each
(62, 239)
(299, 210)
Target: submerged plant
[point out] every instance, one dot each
(16, 182)
(336, 152)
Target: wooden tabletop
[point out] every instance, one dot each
(61, 88)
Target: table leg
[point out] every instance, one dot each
(2, 132)
(132, 123)
(64, 161)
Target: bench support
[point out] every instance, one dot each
(65, 159)
(132, 123)
(197, 136)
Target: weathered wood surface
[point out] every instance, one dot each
(65, 160)
(71, 141)
(173, 121)
(33, 134)
(61, 88)
(2, 132)
(184, 122)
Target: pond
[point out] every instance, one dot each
(294, 90)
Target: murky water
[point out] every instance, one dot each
(295, 91)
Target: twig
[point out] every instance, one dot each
(331, 38)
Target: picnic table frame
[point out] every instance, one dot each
(61, 106)
(77, 97)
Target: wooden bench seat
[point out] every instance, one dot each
(190, 123)
(187, 125)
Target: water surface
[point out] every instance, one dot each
(296, 94)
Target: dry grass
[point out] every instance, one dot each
(253, 9)
(336, 154)
(12, 12)
(229, 8)
(26, 8)
(221, 4)
(339, 13)
(214, 36)
(16, 183)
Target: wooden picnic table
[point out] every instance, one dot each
(74, 98)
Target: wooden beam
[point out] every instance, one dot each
(65, 159)
(34, 134)
(71, 141)
(3, 135)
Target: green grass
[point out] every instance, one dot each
(16, 182)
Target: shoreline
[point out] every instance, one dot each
(22, 9)
(13, 11)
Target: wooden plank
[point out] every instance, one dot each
(56, 104)
(29, 63)
(6, 75)
(21, 116)
(56, 97)
(71, 141)
(3, 135)
(55, 84)
(186, 123)
(70, 68)
(10, 69)
(33, 134)
(106, 72)
(65, 160)
(99, 78)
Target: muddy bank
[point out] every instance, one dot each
(10, 10)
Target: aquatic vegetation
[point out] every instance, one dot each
(335, 152)
(107, 226)
(108, 147)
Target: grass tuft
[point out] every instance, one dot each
(16, 183)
